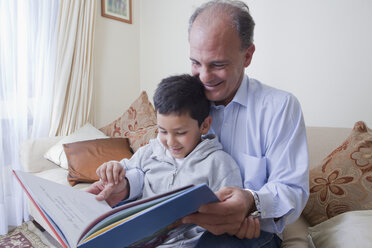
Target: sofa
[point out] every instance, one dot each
(321, 141)
(340, 164)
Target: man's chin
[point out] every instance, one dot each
(212, 96)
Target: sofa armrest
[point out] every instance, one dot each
(32, 154)
(295, 234)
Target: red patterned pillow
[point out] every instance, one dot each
(138, 123)
(343, 182)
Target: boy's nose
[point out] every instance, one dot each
(171, 141)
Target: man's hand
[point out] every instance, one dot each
(112, 193)
(229, 215)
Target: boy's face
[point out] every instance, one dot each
(180, 134)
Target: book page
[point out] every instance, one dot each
(70, 209)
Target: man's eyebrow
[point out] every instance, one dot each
(225, 61)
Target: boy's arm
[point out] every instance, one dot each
(125, 190)
(229, 172)
(134, 172)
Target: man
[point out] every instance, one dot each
(262, 128)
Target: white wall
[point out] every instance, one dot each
(116, 65)
(321, 51)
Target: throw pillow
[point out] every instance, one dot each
(138, 123)
(343, 181)
(56, 153)
(351, 229)
(84, 157)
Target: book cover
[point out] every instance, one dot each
(79, 220)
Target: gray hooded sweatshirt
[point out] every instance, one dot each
(207, 163)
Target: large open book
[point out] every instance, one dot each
(79, 220)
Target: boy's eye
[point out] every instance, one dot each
(162, 131)
(181, 133)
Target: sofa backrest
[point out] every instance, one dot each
(323, 140)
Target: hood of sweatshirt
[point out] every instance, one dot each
(208, 145)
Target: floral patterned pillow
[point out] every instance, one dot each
(343, 182)
(138, 123)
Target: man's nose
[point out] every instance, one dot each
(205, 75)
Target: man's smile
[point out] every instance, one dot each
(212, 86)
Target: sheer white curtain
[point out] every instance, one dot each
(74, 71)
(27, 62)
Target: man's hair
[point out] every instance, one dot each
(182, 94)
(239, 14)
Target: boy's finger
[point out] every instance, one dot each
(109, 173)
(122, 175)
(116, 173)
(102, 172)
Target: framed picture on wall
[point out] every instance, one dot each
(120, 10)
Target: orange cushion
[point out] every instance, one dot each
(84, 157)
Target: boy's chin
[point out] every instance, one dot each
(178, 155)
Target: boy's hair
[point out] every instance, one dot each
(182, 94)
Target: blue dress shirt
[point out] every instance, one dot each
(263, 129)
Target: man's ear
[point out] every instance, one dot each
(206, 125)
(249, 54)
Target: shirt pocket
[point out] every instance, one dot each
(253, 170)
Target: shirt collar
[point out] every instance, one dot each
(242, 93)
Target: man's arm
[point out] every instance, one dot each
(284, 195)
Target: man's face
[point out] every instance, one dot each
(217, 58)
(179, 134)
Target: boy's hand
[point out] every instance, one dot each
(111, 173)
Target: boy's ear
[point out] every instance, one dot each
(206, 125)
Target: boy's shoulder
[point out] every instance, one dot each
(216, 151)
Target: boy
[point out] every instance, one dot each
(182, 154)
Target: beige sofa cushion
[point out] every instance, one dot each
(32, 152)
(56, 153)
(351, 229)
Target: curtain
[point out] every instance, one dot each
(74, 67)
(27, 63)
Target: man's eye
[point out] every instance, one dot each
(162, 131)
(195, 63)
(181, 133)
(219, 65)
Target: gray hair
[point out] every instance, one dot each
(239, 14)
